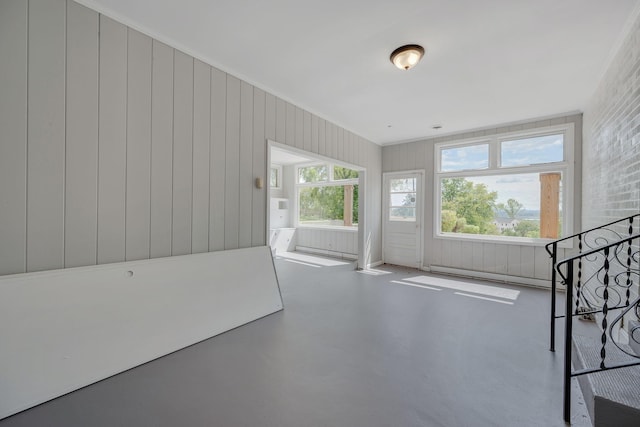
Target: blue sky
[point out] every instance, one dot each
(523, 187)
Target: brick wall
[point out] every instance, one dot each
(611, 139)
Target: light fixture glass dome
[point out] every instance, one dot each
(407, 56)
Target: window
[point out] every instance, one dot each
(327, 196)
(514, 187)
(276, 177)
(402, 199)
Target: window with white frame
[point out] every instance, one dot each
(275, 178)
(513, 187)
(327, 196)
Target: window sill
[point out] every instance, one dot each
(519, 241)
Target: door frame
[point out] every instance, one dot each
(420, 206)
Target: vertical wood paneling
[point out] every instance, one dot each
(299, 129)
(232, 154)
(201, 154)
(477, 256)
(322, 137)
(13, 137)
(46, 135)
(527, 261)
(138, 146)
(306, 131)
(489, 257)
(112, 140)
(270, 117)
(455, 251)
(81, 180)
(542, 269)
(328, 148)
(334, 140)
(182, 153)
(290, 125)
(134, 149)
(501, 258)
(218, 159)
(466, 255)
(258, 219)
(513, 260)
(246, 184)
(161, 150)
(341, 153)
(314, 134)
(281, 121)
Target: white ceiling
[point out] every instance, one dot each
(488, 62)
(283, 157)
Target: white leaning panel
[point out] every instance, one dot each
(61, 330)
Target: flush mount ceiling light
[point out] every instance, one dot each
(407, 56)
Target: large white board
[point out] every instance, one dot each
(61, 330)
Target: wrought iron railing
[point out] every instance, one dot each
(602, 281)
(588, 279)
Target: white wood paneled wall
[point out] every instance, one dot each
(117, 147)
(499, 258)
(345, 242)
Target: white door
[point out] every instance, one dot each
(403, 219)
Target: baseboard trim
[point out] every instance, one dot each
(327, 252)
(375, 264)
(495, 277)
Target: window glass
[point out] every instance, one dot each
(275, 178)
(325, 205)
(499, 205)
(532, 151)
(464, 158)
(402, 199)
(308, 174)
(340, 173)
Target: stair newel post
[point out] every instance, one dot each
(554, 259)
(605, 308)
(567, 342)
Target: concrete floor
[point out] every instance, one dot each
(350, 349)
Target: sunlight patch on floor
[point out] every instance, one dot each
(414, 285)
(491, 291)
(374, 272)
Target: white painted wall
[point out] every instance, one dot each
(117, 147)
(65, 329)
(528, 262)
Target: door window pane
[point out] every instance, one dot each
(402, 199)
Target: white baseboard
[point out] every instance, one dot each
(375, 264)
(496, 277)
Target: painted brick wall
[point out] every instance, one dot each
(611, 150)
(611, 138)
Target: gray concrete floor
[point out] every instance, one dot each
(350, 349)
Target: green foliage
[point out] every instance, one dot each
(471, 229)
(325, 203)
(471, 202)
(313, 174)
(448, 221)
(528, 229)
(343, 173)
(511, 209)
